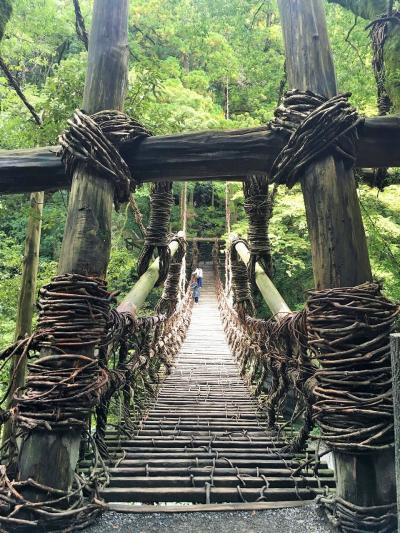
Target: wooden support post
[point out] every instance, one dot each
(269, 292)
(50, 457)
(338, 243)
(140, 291)
(395, 349)
(27, 295)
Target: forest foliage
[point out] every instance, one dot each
(193, 65)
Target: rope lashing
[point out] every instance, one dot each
(349, 332)
(157, 234)
(170, 295)
(242, 298)
(379, 32)
(65, 511)
(93, 140)
(62, 388)
(317, 126)
(351, 518)
(258, 207)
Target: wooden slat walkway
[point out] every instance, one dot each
(204, 442)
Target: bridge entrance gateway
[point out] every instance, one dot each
(216, 408)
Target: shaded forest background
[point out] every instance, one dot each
(194, 65)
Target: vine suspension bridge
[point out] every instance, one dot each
(205, 406)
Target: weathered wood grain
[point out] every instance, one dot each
(339, 250)
(338, 243)
(51, 457)
(190, 156)
(27, 297)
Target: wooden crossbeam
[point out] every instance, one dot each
(217, 155)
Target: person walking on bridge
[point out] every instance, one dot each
(194, 285)
(199, 275)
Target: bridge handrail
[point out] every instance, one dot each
(269, 292)
(144, 285)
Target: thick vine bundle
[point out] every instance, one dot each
(157, 232)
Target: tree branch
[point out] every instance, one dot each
(80, 25)
(14, 84)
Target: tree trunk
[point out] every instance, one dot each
(50, 458)
(339, 250)
(5, 14)
(27, 296)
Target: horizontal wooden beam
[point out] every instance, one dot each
(217, 155)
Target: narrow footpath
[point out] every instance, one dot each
(204, 441)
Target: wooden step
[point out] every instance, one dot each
(199, 495)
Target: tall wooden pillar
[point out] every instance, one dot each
(338, 243)
(27, 295)
(50, 457)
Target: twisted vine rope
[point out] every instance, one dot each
(157, 232)
(352, 518)
(146, 346)
(379, 32)
(170, 295)
(59, 394)
(242, 298)
(317, 126)
(258, 206)
(63, 388)
(275, 351)
(93, 140)
(349, 332)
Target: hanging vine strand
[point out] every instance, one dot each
(157, 232)
(242, 298)
(258, 206)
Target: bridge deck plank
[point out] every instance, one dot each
(205, 441)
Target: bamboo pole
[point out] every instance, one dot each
(142, 288)
(51, 457)
(270, 293)
(27, 296)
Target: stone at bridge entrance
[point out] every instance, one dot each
(205, 441)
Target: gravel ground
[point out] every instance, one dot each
(307, 519)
